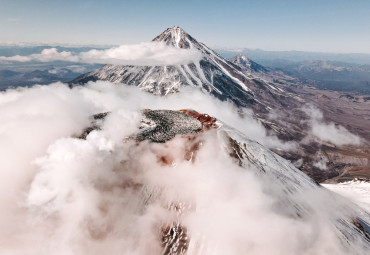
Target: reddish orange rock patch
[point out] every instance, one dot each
(207, 121)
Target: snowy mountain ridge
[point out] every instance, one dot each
(213, 74)
(256, 179)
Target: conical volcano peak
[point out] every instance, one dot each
(176, 29)
(242, 61)
(208, 71)
(248, 65)
(176, 37)
(241, 58)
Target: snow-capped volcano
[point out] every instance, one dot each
(212, 74)
(273, 77)
(177, 37)
(248, 65)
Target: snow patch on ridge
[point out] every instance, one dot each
(357, 191)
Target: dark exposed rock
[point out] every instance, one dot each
(95, 125)
(162, 125)
(362, 227)
(174, 239)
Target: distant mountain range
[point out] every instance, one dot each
(35, 73)
(8, 51)
(329, 74)
(265, 57)
(342, 72)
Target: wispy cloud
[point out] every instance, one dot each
(46, 55)
(148, 54)
(329, 131)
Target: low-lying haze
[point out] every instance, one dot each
(148, 54)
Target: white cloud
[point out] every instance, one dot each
(148, 54)
(329, 132)
(321, 164)
(152, 53)
(63, 195)
(46, 55)
(76, 68)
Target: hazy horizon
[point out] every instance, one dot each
(313, 26)
(216, 48)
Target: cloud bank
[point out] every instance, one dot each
(329, 132)
(64, 195)
(147, 54)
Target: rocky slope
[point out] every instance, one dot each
(261, 72)
(321, 160)
(180, 138)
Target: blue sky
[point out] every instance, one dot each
(310, 25)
